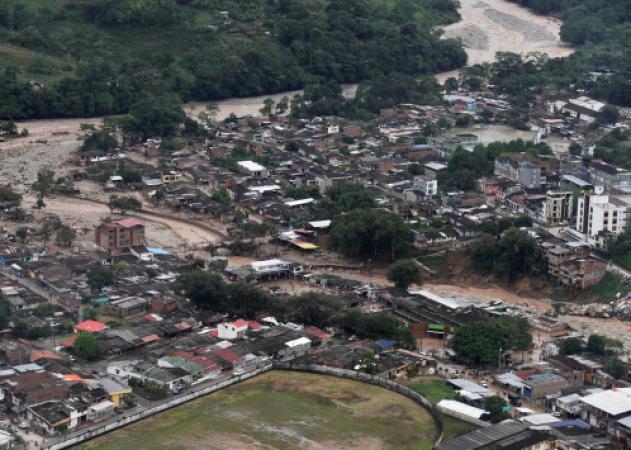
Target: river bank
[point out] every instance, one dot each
(487, 27)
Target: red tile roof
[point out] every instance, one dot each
(227, 355)
(181, 354)
(90, 326)
(208, 364)
(36, 355)
(73, 377)
(317, 332)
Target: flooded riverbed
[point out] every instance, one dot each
(487, 27)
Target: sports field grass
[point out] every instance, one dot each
(284, 410)
(435, 390)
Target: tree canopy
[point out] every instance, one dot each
(376, 326)
(404, 272)
(102, 57)
(496, 405)
(510, 256)
(99, 277)
(482, 342)
(9, 196)
(85, 346)
(370, 233)
(208, 290)
(123, 204)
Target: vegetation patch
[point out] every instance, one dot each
(611, 285)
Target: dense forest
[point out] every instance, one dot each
(602, 31)
(63, 58)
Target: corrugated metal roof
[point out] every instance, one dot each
(612, 402)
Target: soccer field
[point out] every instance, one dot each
(284, 410)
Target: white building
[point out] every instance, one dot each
(460, 410)
(583, 108)
(296, 346)
(599, 213)
(427, 183)
(231, 330)
(252, 168)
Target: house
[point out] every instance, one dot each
(570, 404)
(227, 358)
(608, 175)
(15, 352)
(461, 103)
(582, 108)
(520, 169)
(174, 378)
(539, 386)
(32, 388)
(50, 417)
(116, 391)
(610, 411)
(170, 176)
(296, 346)
(126, 308)
(462, 411)
(252, 169)
(121, 236)
(505, 435)
(469, 390)
(100, 410)
(582, 273)
(320, 335)
(89, 326)
(232, 330)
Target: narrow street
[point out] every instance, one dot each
(29, 284)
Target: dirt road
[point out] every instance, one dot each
(162, 232)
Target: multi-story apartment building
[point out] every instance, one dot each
(517, 168)
(572, 265)
(121, 236)
(601, 214)
(557, 207)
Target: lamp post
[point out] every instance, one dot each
(499, 358)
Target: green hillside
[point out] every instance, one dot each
(62, 58)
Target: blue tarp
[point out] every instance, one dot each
(158, 251)
(570, 423)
